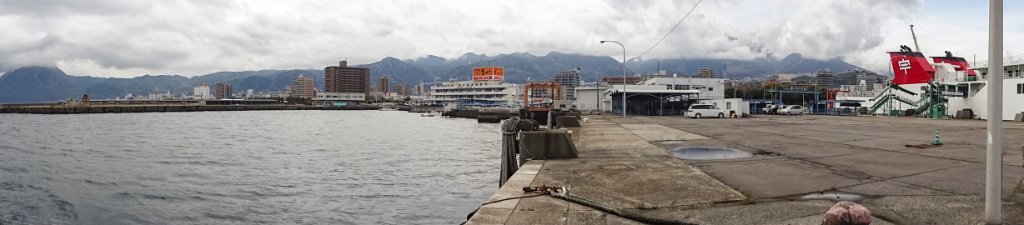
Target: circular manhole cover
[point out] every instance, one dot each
(702, 153)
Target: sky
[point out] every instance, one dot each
(128, 38)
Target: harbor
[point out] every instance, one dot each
(795, 169)
(664, 112)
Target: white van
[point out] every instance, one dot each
(702, 110)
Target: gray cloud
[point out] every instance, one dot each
(130, 38)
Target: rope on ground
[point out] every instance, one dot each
(563, 194)
(510, 198)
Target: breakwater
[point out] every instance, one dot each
(60, 109)
(482, 116)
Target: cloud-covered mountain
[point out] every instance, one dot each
(48, 84)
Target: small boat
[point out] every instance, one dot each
(388, 109)
(430, 114)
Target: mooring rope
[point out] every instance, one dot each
(509, 165)
(563, 193)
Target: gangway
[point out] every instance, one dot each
(886, 95)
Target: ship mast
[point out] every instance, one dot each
(916, 47)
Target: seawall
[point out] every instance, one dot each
(164, 108)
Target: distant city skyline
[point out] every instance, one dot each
(113, 38)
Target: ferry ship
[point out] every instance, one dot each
(945, 87)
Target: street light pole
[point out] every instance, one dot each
(623, 75)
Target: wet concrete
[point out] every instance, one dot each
(807, 155)
(617, 167)
(834, 196)
(798, 167)
(703, 153)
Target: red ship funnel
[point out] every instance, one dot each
(910, 68)
(960, 62)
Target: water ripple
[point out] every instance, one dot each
(271, 167)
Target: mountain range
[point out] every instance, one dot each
(50, 84)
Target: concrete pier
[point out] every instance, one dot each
(58, 109)
(624, 163)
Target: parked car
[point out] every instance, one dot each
(770, 109)
(701, 110)
(792, 110)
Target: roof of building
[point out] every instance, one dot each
(652, 91)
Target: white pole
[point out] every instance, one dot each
(623, 79)
(994, 159)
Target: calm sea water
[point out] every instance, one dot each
(256, 167)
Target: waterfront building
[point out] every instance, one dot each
(324, 98)
(825, 79)
(223, 91)
(201, 92)
(302, 87)
(621, 80)
(588, 99)
(569, 80)
(658, 95)
(403, 90)
(383, 86)
(347, 79)
(485, 93)
(486, 89)
(421, 89)
(780, 79)
(706, 73)
(275, 94)
(161, 96)
(710, 88)
(868, 77)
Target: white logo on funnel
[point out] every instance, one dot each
(904, 65)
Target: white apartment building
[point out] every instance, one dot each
(201, 92)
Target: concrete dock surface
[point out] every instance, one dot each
(625, 163)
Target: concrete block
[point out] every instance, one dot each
(568, 121)
(547, 144)
(538, 217)
(490, 216)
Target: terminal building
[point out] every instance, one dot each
(486, 89)
(655, 96)
(324, 98)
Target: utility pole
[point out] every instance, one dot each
(725, 73)
(994, 147)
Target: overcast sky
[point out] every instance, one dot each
(126, 38)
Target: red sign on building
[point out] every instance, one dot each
(489, 73)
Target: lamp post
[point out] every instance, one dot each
(623, 75)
